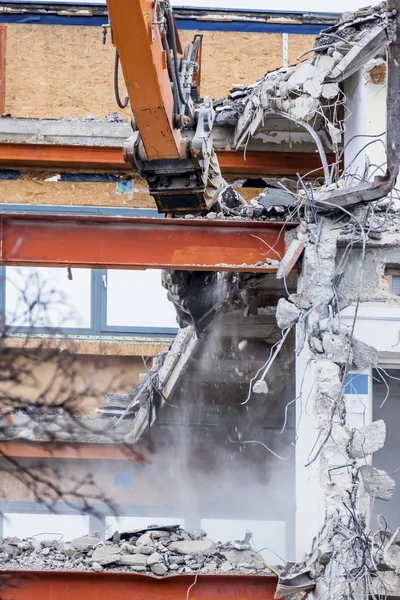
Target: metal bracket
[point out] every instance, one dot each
(201, 144)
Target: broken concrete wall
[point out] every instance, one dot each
(375, 286)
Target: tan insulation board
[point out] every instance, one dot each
(299, 44)
(93, 347)
(56, 71)
(37, 191)
(230, 58)
(30, 190)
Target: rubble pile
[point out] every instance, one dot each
(156, 551)
(310, 90)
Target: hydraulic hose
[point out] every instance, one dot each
(116, 88)
(171, 72)
(171, 30)
(196, 45)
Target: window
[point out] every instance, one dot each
(393, 276)
(137, 298)
(91, 302)
(43, 297)
(396, 284)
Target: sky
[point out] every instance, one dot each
(297, 5)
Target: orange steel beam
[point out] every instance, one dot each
(110, 158)
(62, 156)
(139, 243)
(64, 585)
(270, 163)
(143, 63)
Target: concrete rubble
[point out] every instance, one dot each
(302, 92)
(167, 550)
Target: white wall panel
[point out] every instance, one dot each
(48, 527)
(269, 537)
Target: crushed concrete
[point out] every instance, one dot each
(300, 93)
(172, 551)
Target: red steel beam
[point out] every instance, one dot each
(64, 585)
(139, 243)
(270, 163)
(53, 156)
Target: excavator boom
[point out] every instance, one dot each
(171, 143)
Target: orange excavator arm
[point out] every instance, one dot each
(171, 145)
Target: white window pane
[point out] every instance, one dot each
(45, 297)
(137, 299)
(130, 523)
(266, 534)
(50, 527)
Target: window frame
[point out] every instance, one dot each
(98, 314)
(391, 272)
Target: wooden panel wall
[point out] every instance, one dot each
(56, 71)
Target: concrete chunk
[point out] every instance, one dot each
(237, 557)
(377, 483)
(364, 355)
(323, 64)
(329, 90)
(154, 559)
(204, 546)
(137, 560)
(313, 87)
(303, 73)
(85, 542)
(106, 555)
(336, 347)
(145, 549)
(158, 569)
(368, 439)
(287, 314)
(226, 567)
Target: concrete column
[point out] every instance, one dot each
(310, 510)
(309, 494)
(366, 119)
